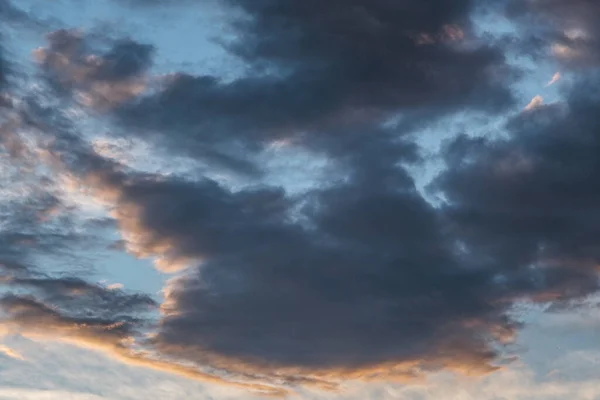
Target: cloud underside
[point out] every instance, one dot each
(363, 278)
(566, 29)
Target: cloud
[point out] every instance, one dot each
(22, 236)
(525, 206)
(536, 102)
(11, 16)
(59, 306)
(366, 282)
(3, 70)
(362, 279)
(70, 291)
(555, 78)
(312, 68)
(35, 320)
(343, 270)
(100, 81)
(7, 351)
(94, 317)
(566, 28)
(42, 305)
(10, 13)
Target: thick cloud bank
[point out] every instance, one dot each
(360, 278)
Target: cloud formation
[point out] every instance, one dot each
(108, 319)
(3, 69)
(99, 81)
(363, 278)
(566, 28)
(311, 67)
(35, 319)
(526, 205)
(369, 281)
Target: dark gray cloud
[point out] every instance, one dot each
(565, 28)
(114, 336)
(10, 13)
(5, 8)
(364, 280)
(124, 59)
(72, 303)
(27, 311)
(372, 275)
(3, 69)
(11, 16)
(23, 235)
(59, 305)
(526, 206)
(313, 66)
(40, 253)
(32, 296)
(85, 297)
(72, 64)
(361, 279)
(105, 79)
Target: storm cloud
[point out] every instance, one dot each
(364, 279)
(312, 66)
(565, 29)
(361, 278)
(528, 202)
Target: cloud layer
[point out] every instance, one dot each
(359, 278)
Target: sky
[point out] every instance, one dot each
(304, 200)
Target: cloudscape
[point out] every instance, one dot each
(299, 199)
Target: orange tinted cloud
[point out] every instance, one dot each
(36, 321)
(97, 81)
(7, 351)
(536, 102)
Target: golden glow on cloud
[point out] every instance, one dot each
(77, 71)
(449, 33)
(38, 323)
(106, 186)
(536, 102)
(7, 351)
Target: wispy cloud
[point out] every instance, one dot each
(555, 78)
(7, 351)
